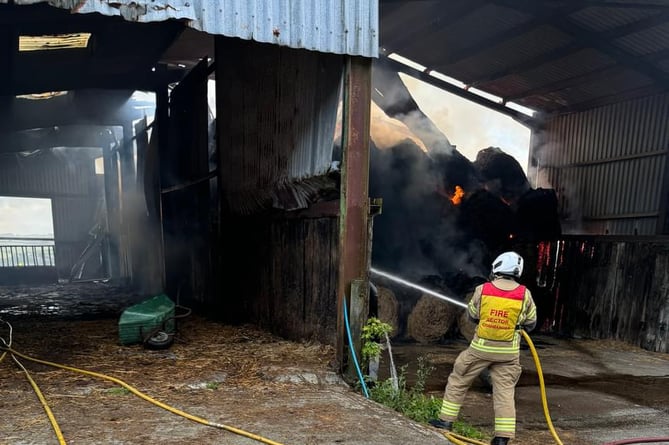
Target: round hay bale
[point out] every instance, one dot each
(388, 308)
(465, 325)
(430, 319)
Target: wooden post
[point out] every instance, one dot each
(357, 314)
(112, 199)
(354, 203)
(162, 129)
(128, 199)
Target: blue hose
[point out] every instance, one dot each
(355, 359)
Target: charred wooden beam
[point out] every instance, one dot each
(113, 202)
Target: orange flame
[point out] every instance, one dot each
(458, 194)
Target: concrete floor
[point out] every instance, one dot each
(598, 391)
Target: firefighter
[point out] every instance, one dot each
(500, 308)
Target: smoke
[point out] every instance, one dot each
(545, 171)
(421, 233)
(418, 232)
(469, 126)
(386, 131)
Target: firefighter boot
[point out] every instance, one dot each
(499, 441)
(442, 424)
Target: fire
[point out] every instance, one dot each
(458, 194)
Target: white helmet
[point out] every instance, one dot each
(508, 263)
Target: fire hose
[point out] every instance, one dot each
(6, 348)
(462, 440)
(459, 439)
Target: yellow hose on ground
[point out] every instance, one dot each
(544, 401)
(140, 394)
(40, 396)
(462, 440)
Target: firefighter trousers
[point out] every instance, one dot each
(504, 372)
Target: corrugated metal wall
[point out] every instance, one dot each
(277, 120)
(608, 166)
(75, 192)
(341, 27)
(44, 175)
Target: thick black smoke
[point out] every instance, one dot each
(425, 230)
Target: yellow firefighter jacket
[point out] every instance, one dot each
(500, 307)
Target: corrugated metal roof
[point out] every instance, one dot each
(341, 27)
(601, 19)
(646, 41)
(550, 55)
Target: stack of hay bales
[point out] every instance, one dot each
(431, 319)
(465, 325)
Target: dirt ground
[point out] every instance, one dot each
(288, 392)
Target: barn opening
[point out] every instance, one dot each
(26, 241)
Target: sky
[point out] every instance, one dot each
(469, 126)
(25, 216)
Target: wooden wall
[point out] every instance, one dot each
(606, 287)
(281, 273)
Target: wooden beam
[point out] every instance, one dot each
(354, 210)
(162, 131)
(113, 203)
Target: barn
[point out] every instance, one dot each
(218, 152)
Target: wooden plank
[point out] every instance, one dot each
(358, 311)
